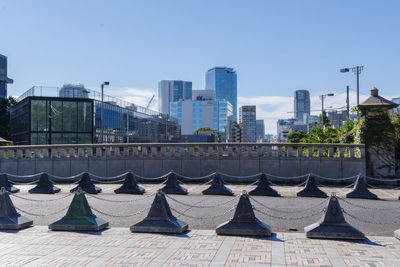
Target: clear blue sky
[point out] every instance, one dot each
(275, 46)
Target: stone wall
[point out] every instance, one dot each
(151, 160)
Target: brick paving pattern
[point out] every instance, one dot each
(37, 246)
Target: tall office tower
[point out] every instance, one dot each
(260, 130)
(223, 81)
(301, 104)
(203, 111)
(170, 91)
(247, 115)
(4, 80)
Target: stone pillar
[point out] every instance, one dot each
(376, 131)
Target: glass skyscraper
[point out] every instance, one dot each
(4, 80)
(223, 81)
(301, 105)
(169, 91)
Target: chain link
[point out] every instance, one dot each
(41, 200)
(41, 215)
(364, 207)
(201, 206)
(119, 216)
(203, 218)
(335, 179)
(288, 218)
(368, 221)
(120, 201)
(289, 211)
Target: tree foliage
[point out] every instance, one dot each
(296, 136)
(5, 105)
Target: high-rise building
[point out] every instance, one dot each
(247, 115)
(203, 112)
(4, 80)
(337, 118)
(301, 104)
(397, 101)
(223, 81)
(260, 129)
(238, 133)
(169, 91)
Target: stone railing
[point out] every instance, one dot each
(153, 159)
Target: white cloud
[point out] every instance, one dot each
(138, 96)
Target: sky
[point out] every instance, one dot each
(276, 47)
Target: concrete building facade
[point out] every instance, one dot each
(202, 112)
(4, 80)
(247, 115)
(172, 90)
(260, 130)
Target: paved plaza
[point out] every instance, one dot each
(37, 246)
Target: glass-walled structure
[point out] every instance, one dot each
(76, 115)
(46, 120)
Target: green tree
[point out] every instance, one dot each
(347, 132)
(203, 129)
(327, 121)
(296, 136)
(395, 118)
(5, 105)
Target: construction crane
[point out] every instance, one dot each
(151, 100)
(328, 108)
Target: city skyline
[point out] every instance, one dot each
(120, 43)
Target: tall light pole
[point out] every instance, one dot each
(357, 71)
(322, 97)
(102, 110)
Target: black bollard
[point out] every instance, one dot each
(44, 186)
(79, 216)
(244, 222)
(86, 185)
(263, 188)
(4, 182)
(160, 219)
(311, 189)
(172, 186)
(333, 224)
(360, 190)
(10, 219)
(129, 186)
(217, 187)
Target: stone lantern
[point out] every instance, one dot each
(377, 133)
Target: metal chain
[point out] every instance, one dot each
(196, 178)
(108, 182)
(364, 207)
(23, 183)
(287, 178)
(288, 218)
(367, 221)
(40, 215)
(119, 216)
(202, 218)
(335, 179)
(107, 178)
(239, 177)
(347, 186)
(152, 178)
(288, 211)
(382, 180)
(202, 206)
(41, 200)
(120, 201)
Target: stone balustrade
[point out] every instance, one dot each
(153, 159)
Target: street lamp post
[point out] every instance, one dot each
(322, 97)
(357, 71)
(102, 110)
